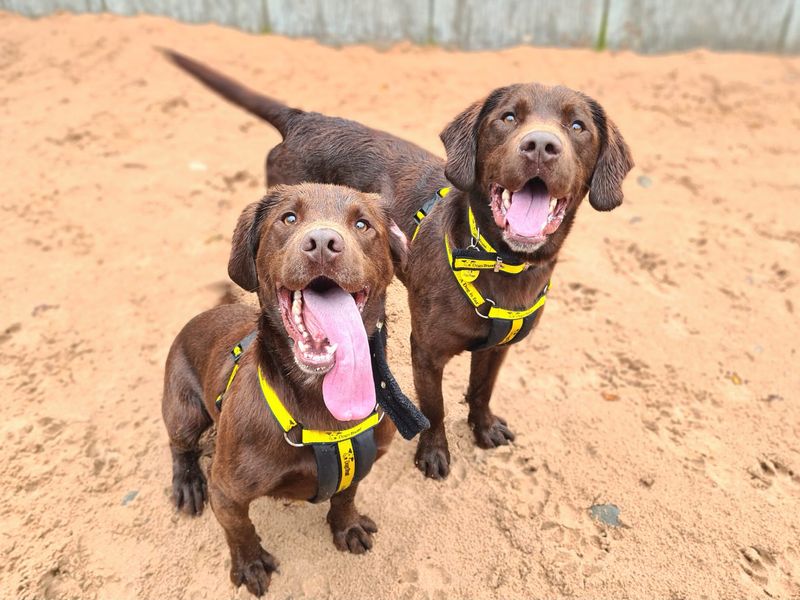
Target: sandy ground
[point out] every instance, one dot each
(663, 378)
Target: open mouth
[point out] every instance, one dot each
(325, 323)
(314, 351)
(529, 214)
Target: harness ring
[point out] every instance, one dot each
(474, 241)
(290, 442)
(490, 301)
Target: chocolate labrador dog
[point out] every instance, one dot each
(522, 160)
(289, 386)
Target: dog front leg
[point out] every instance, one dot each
(250, 563)
(351, 531)
(490, 430)
(433, 455)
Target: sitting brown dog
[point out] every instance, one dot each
(522, 160)
(288, 386)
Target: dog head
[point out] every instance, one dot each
(320, 258)
(535, 152)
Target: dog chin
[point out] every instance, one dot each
(312, 372)
(307, 376)
(523, 245)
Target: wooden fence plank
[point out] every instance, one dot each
(657, 26)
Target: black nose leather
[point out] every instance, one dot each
(541, 146)
(322, 245)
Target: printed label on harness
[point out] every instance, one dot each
(347, 459)
(311, 436)
(468, 276)
(473, 263)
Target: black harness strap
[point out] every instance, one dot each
(501, 328)
(342, 464)
(366, 452)
(407, 418)
(328, 471)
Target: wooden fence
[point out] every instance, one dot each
(640, 25)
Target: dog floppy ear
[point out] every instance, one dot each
(613, 163)
(460, 139)
(398, 242)
(398, 246)
(246, 236)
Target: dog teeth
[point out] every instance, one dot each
(297, 303)
(297, 311)
(553, 204)
(506, 199)
(317, 360)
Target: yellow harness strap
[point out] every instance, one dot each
(236, 353)
(347, 464)
(427, 207)
(311, 436)
(282, 416)
(465, 279)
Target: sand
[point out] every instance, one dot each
(662, 380)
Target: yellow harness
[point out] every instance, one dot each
(344, 442)
(508, 325)
(343, 456)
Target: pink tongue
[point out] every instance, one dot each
(348, 389)
(529, 209)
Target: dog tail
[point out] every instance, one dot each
(274, 112)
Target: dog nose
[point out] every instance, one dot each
(322, 245)
(540, 145)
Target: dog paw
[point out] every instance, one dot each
(189, 490)
(357, 537)
(433, 456)
(255, 574)
(491, 432)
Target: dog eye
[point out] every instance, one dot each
(362, 225)
(578, 126)
(509, 117)
(290, 218)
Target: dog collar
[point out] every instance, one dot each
(507, 326)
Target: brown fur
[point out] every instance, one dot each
(251, 457)
(482, 148)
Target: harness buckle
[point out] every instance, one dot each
(498, 264)
(486, 316)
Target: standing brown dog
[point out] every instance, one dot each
(522, 161)
(320, 258)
